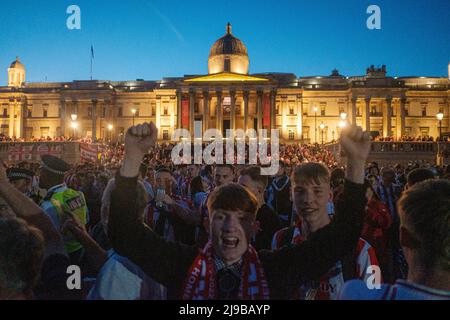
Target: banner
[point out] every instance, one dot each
(185, 113)
(54, 150)
(20, 153)
(88, 152)
(266, 111)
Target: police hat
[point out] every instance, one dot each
(19, 173)
(54, 164)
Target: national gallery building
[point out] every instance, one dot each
(306, 109)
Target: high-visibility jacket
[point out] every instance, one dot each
(58, 204)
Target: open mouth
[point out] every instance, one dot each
(230, 242)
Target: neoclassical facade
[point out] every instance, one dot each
(308, 109)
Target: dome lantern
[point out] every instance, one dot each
(228, 54)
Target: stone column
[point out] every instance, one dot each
(19, 122)
(367, 113)
(448, 115)
(353, 110)
(402, 118)
(158, 116)
(219, 111)
(179, 98)
(11, 116)
(283, 133)
(94, 120)
(233, 110)
(246, 94)
(259, 110)
(299, 105)
(191, 111)
(62, 116)
(205, 110)
(172, 110)
(387, 114)
(272, 110)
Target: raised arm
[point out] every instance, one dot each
(165, 262)
(26, 209)
(314, 257)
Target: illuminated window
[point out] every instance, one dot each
(373, 110)
(4, 129)
(227, 65)
(45, 110)
(323, 106)
(45, 131)
(291, 134)
(305, 133)
(423, 107)
(165, 134)
(291, 109)
(166, 109)
(424, 131)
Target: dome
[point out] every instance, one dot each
(228, 54)
(17, 64)
(228, 44)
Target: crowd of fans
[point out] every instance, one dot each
(419, 138)
(140, 227)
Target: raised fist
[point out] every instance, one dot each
(139, 139)
(355, 144)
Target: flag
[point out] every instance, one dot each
(92, 51)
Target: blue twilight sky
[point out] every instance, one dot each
(152, 39)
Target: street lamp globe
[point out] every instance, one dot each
(343, 116)
(110, 127)
(342, 124)
(322, 126)
(440, 116)
(74, 116)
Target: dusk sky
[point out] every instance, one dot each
(155, 39)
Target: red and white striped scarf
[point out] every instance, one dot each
(200, 283)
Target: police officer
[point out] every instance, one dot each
(21, 179)
(62, 203)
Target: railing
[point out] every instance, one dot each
(402, 152)
(379, 146)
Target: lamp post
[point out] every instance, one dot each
(322, 126)
(110, 127)
(440, 116)
(133, 111)
(74, 124)
(315, 123)
(343, 121)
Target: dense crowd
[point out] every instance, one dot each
(140, 227)
(419, 138)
